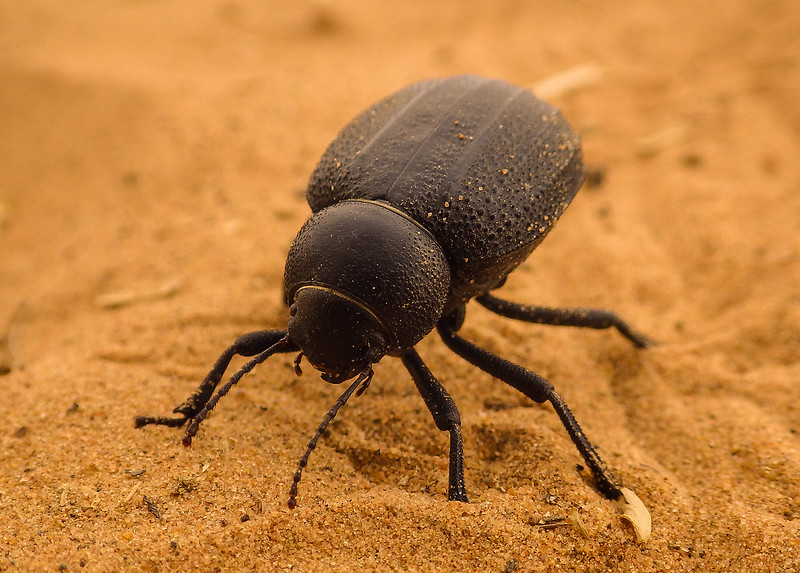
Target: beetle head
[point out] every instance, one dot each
(362, 280)
(338, 335)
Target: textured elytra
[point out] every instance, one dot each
(484, 165)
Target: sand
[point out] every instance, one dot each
(153, 159)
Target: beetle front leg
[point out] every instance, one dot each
(581, 317)
(248, 344)
(534, 387)
(445, 415)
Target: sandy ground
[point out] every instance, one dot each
(158, 152)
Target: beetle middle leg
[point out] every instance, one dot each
(534, 387)
(445, 415)
(249, 344)
(581, 317)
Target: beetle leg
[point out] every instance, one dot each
(445, 415)
(537, 389)
(582, 317)
(248, 344)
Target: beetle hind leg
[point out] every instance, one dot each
(581, 317)
(537, 389)
(445, 415)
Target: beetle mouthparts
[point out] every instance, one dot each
(337, 377)
(297, 370)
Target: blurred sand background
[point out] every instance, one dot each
(158, 151)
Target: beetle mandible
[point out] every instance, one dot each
(426, 200)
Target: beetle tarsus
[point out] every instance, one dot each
(606, 482)
(457, 490)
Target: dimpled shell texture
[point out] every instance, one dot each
(484, 165)
(380, 258)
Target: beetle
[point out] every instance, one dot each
(425, 201)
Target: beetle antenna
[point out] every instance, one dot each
(363, 381)
(191, 430)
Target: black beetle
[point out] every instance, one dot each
(427, 199)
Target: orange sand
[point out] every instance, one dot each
(160, 150)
